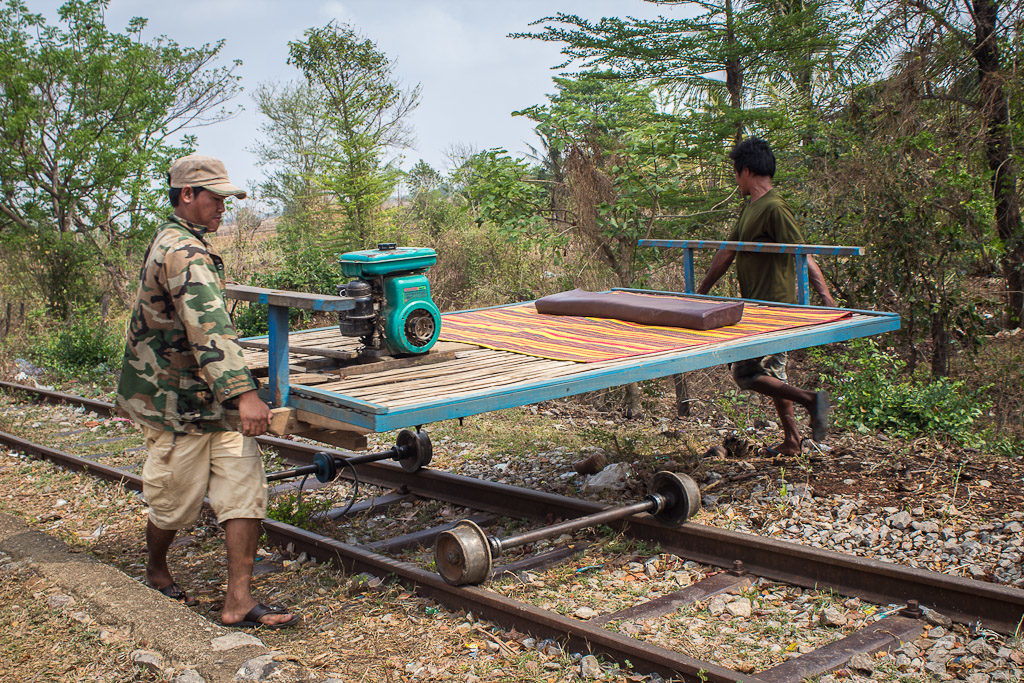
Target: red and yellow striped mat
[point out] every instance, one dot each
(521, 329)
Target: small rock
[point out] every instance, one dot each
(590, 667)
(716, 605)
(901, 520)
(585, 613)
(611, 478)
(147, 659)
(59, 600)
(258, 668)
(739, 607)
(189, 676)
(592, 464)
(833, 617)
(977, 646)
(107, 636)
(82, 618)
(234, 640)
(862, 662)
(936, 618)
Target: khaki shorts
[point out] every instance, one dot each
(181, 468)
(746, 371)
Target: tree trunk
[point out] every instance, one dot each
(733, 69)
(999, 153)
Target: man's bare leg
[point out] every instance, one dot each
(240, 537)
(782, 393)
(791, 431)
(158, 541)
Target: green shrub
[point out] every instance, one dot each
(291, 508)
(314, 270)
(84, 347)
(871, 393)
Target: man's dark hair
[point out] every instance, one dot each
(755, 154)
(174, 194)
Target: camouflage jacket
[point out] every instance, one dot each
(181, 362)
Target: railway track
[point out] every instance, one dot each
(738, 558)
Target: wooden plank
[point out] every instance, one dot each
(280, 297)
(283, 421)
(350, 440)
(303, 350)
(490, 369)
(386, 363)
(712, 585)
(884, 634)
(322, 422)
(540, 561)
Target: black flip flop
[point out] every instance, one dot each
(176, 592)
(819, 416)
(253, 616)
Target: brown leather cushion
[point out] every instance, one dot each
(638, 308)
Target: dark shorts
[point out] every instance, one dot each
(746, 371)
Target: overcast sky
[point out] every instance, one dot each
(472, 75)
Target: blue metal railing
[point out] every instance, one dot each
(799, 251)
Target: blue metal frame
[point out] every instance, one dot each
(380, 418)
(799, 252)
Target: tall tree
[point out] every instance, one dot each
(735, 60)
(367, 112)
(946, 34)
(621, 160)
(86, 116)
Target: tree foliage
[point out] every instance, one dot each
(365, 109)
(86, 118)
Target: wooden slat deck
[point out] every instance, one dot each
(480, 370)
(479, 380)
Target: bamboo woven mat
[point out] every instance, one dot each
(521, 329)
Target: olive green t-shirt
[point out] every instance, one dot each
(767, 277)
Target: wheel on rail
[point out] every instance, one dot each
(683, 497)
(462, 554)
(414, 450)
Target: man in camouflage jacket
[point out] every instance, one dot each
(182, 368)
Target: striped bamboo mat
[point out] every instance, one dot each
(521, 329)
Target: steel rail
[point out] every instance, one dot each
(579, 635)
(51, 396)
(502, 610)
(998, 607)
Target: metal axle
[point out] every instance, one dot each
(465, 554)
(412, 450)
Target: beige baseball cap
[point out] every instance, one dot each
(197, 170)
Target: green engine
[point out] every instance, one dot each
(394, 314)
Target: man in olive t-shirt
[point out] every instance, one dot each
(769, 277)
